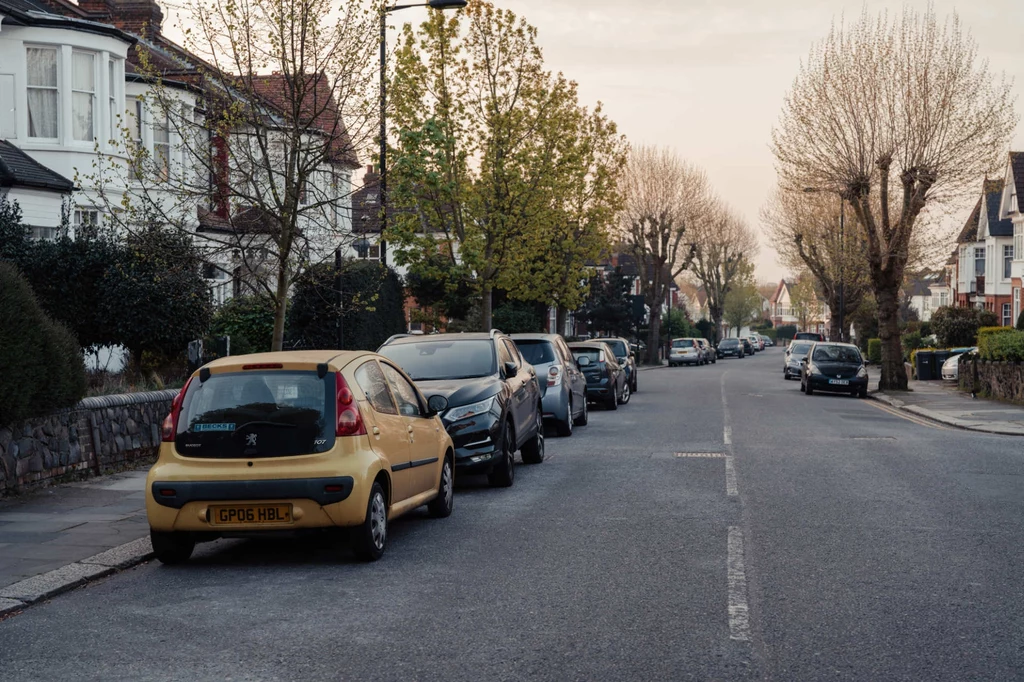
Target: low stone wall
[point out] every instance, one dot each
(998, 380)
(97, 435)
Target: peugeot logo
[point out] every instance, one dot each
(250, 439)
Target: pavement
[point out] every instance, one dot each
(722, 525)
(940, 401)
(57, 538)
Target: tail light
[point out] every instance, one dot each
(350, 422)
(554, 375)
(170, 425)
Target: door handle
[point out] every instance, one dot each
(376, 431)
(409, 428)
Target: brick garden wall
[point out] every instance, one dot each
(97, 435)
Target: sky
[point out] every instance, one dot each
(707, 77)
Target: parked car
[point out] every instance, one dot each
(260, 444)
(768, 341)
(625, 357)
(748, 347)
(809, 336)
(837, 367)
(606, 379)
(730, 347)
(493, 397)
(755, 345)
(561, 381)
(708, 350)
(795, 353)
(685, 352)
(951, 367)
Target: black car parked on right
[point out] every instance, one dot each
(606, 379)
(730, 347)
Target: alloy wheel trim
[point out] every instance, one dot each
(446, 483)
(378, 522)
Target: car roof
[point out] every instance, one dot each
(595, 345)
(426, 338)
(835, 343)
(290, 359)
(534, 337)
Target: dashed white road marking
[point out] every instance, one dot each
(739, 611)
(727, 435)
(730, 478)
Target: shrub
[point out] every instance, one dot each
(374, 307)
(517, 317)
(911, 341)
(985, 332)
(42, 364)
(785, 332)
(1007, 345)
(249, 321)
(875, 351)
(1020, 321)
(959, 326)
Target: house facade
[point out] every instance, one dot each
(985, 257)
(1010, 209)
(782, 311)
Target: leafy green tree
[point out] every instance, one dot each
(609, 307)
(955, 326)
(676, 323)
(742, 304)
(249, 321)
(518, 317)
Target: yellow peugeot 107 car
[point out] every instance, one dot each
(291, 441)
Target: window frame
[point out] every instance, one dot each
(162, 122)
(78, 91)
(58, 61)
(371, 365)
(979, 261)
(1007, 315)
(1007, 260)
(396, 394)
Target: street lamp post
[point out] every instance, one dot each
(383, 182)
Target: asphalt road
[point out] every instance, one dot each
(801, 538)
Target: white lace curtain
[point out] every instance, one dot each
(42, 92)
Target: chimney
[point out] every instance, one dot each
(140, 17)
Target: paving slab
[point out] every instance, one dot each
(943, 402)
(54, 582)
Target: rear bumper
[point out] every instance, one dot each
(555, 403)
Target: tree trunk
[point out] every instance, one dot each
(834, 331)
(561, 314)
(280, 308)
(485, 305)
(894, 374)
(654, 339)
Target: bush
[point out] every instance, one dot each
(249, 321)
(374, 305)
(1008, 345)
(517, 317)
(985, 332)
(959, 326)
(42, 364)
(785, 332)
(911, 341)
(875, 351)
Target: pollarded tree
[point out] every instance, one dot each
(723, 251)
(893, 112)
(665, 199)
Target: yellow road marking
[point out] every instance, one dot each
(920, 421)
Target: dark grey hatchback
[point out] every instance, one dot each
(835, 367)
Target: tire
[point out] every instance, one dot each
(863, 393)
(371, 537)
(636, 382)
(625, 395)
(810, 389)
(172, 548)
(612, 404)
(533, 450)
(584, 416)
(802, 389)
(441, 506)
(504, 474)
(564, 426)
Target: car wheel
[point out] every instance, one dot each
(441, 506)
(504, 474)
(810, 389)
(371, 537)
(801, 385)
(533, 450)
(584, 416)
(564, 426)
(635, 382)
(172, 548)
(863, 393)
(612, 403)
(625, 395)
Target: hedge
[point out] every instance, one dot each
(875, 351)
(43, 369)
(1007, 345)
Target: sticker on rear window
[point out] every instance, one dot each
(198, 428)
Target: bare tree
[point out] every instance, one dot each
(723, 251)
(665, 197)
(893, 106)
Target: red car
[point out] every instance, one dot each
(809, 336)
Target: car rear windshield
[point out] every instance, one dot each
(537, 352)
(729, 343)
(594, 354)
(844, 354)
(618, 347)
(799, 348)
(254, 414)
(444, 359)
(682, 343)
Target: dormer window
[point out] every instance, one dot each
(43, 97)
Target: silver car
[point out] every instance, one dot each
(685, 352)
(796, 352)
(563, 384)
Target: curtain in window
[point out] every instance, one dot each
(42, 92)
(83, 85)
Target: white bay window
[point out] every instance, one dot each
(83, 95)
(43, 95)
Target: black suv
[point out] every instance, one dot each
(493, 397)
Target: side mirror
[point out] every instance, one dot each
(510, 369)
(437, 404)
(583, 361)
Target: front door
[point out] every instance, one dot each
(389, 434)
(518, 388)
(424, 432)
